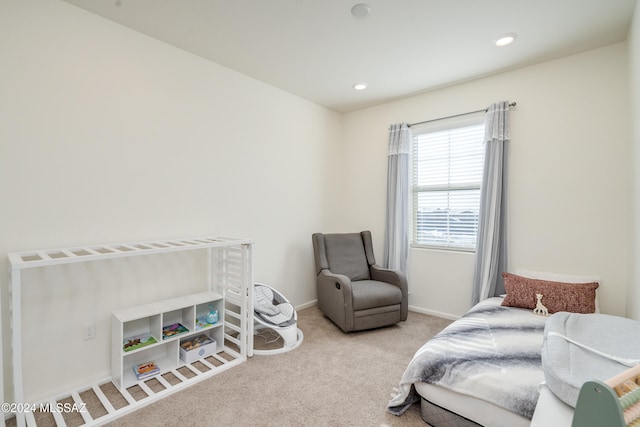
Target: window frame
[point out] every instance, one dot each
(467, 120)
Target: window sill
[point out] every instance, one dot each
(443, 249)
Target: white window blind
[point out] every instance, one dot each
(447, 174)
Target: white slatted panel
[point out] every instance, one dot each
(231, 276)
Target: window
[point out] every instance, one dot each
(447, 159)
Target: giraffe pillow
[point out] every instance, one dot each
(556, 296)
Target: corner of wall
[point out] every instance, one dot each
(633, 292)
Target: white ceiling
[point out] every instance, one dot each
(317, 49)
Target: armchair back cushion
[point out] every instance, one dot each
(346, 255)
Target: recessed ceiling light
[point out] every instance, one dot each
(360, 86)
(505, 39)
(361, 10)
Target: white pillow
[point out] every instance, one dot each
(566, 278)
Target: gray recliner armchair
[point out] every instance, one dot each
(353, 291)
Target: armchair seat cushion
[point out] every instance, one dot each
(371, 293)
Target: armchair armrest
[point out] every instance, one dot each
(327, 276)
(397, 278)
(335, 298)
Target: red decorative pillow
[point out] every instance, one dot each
(557, 296)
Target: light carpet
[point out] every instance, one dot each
(332, 379)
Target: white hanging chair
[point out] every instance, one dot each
(271, 310)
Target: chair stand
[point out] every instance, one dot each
(291, 335)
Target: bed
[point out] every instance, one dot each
(485, 368)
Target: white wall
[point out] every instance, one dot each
(633, 301)
(569, 174)
(110, 136)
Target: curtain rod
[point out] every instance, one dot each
(455, 115)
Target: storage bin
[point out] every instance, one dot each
(192, 349)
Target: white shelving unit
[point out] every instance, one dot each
(151, 319)
(230, 290)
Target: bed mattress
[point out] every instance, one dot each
(476, 410)
(489, 357)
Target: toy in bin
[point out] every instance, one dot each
(196, 348)
(198, 341)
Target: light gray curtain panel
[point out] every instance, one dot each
(491, 251)
(396, 237)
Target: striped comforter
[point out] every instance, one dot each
(491, 353)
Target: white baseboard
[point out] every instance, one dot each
(411, 308)
(307, 304)
(434, 313)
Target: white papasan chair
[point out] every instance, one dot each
(272, 311)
